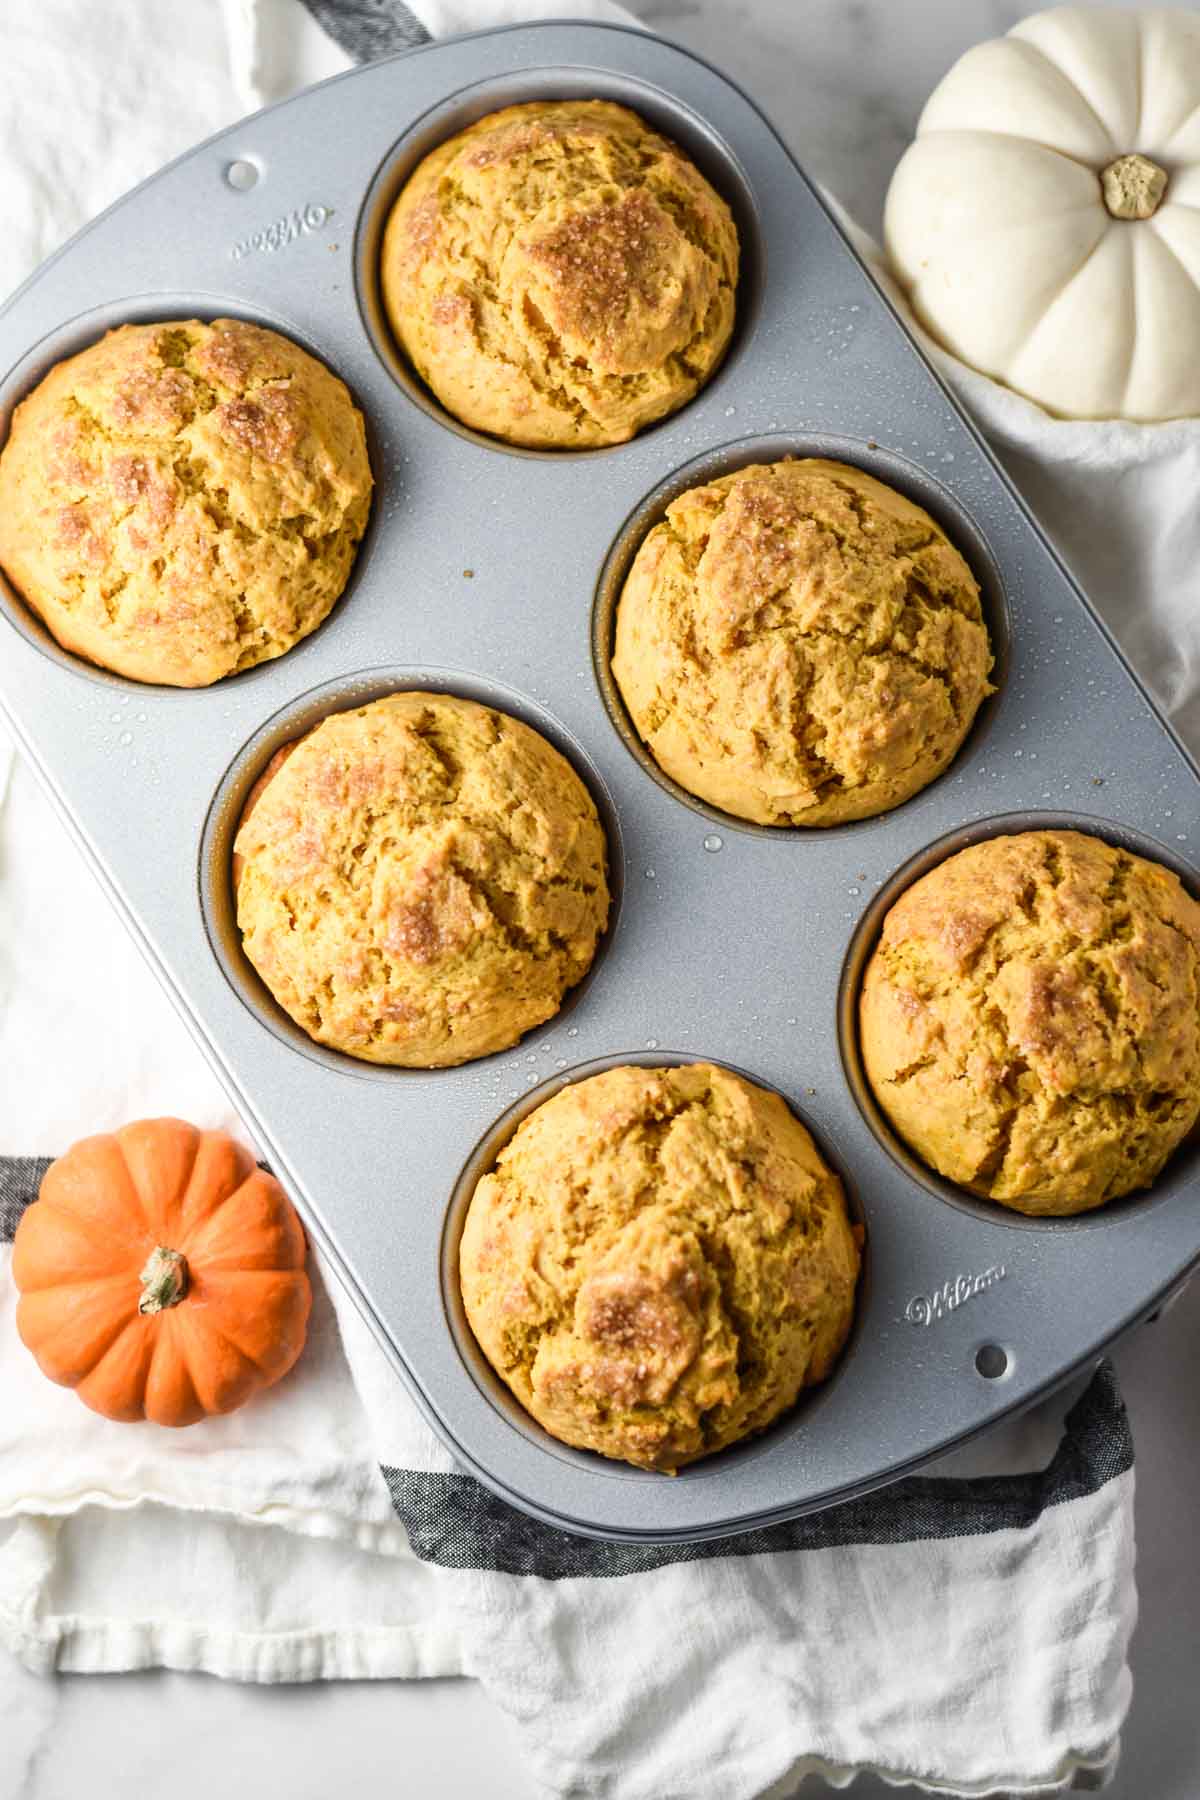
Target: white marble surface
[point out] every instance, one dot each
(844, 81)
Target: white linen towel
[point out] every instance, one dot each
(965, 1631)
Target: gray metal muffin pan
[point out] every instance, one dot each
(491, 573)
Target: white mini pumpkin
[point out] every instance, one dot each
(1046, 222)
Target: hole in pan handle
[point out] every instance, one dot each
(991, 1361)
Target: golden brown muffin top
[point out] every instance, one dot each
(1031, 1019)
(420, 880)
(799, 644)
(659, 1262)
(182, 500)
(560, 275)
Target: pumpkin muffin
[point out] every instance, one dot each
(659, 1262)
(798, 644)
(180, 501)
(419, 881)
(560, 275)
(1030, 1020)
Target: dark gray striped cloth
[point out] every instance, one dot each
(369, 29)
(454, 1521)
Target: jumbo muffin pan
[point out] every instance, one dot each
(493, 573)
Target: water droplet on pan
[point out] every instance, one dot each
(712, 842)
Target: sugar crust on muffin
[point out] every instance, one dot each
(560, 275)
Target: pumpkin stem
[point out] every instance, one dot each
(164, 1280)
(1133, 186)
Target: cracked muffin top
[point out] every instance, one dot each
(180, 501)
(1030, 1020)
(421, 880)
(659, 1262)
(560, 275)
(799, 644)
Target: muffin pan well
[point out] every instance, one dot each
(483, 1158)
(79, 331)
(731, 941)
(1182, 1171)
(665, 112)
(217, 897)
(907, 477)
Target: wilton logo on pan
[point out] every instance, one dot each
(926, 1309)
(285, 231)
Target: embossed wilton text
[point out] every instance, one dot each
(925, 1309)
(284, 231)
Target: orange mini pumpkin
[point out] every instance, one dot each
(161, 1274)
